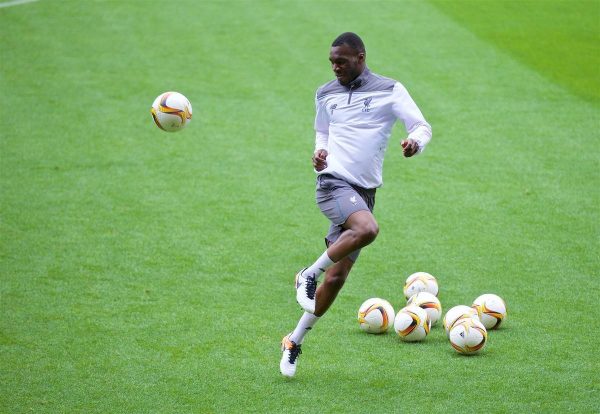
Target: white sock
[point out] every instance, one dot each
(305, 324)
(319, 266)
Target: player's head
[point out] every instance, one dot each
(347, 57)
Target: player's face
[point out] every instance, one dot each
(346, 63)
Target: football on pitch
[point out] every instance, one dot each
(491, 310)
(412, 324)
(430, 303)
(375, 315)
(420, 282)
(456, 313)
(171, 111)
(468, 336)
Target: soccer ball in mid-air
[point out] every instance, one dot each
(468, 336)
(375, 315)
(412, 323)
(420, 282)
(456, 313)
(171, 111)
(430, 303)
(491, 310)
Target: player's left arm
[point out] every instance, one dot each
(419, 130)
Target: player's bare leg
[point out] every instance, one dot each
(360, 230)
(335, 277)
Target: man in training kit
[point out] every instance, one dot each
(354, 120)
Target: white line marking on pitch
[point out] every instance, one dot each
(15, 3)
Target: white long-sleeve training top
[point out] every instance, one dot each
(354, 123)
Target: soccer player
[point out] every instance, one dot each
(354, 120)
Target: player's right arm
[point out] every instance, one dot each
(319, 159)
(321, 135)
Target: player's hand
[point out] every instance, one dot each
(319, 160)
(409, 147)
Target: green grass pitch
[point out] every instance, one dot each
(146, 272)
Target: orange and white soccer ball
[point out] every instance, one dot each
(412, 323)
(468, 336)
(171, 111)
(375, 315)
(430, 303)
(456, 313)
(491, 310)
(420, 282)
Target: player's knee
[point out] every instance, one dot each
(368, 233)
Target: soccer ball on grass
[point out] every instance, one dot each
(375, 315)
(468, 336)
(491, 310)
(412, 324)
(420, 282)
(430, 303)
(457, 313)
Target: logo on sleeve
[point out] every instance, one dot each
(333, 107)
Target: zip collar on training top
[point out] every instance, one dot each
(360, 80)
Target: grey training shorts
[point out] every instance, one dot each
(338, 199)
